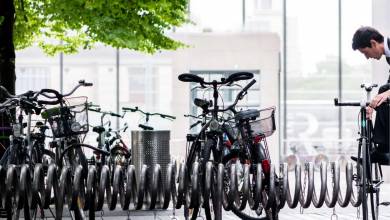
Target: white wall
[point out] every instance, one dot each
(212, 51)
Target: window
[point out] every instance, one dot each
(31, 78)
(227, 95)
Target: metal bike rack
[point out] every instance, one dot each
(150, 189)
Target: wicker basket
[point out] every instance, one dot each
(69, 120)
(265, 126)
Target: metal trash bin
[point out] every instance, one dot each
(150, 148)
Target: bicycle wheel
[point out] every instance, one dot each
(213, 189)
(193, 193)
(374, 193)
(268, 209)
(12, 199)
(212, 175)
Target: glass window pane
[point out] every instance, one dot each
(312, 77)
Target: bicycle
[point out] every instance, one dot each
(26, 150)
(204, 171)
(68, 121)
(368, 176)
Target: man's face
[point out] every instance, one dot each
(375, 51)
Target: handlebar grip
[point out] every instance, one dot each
(94, 109)
(250, 84)
(44, 102)
(145, 127)
(239, 76)
(187, 77)
(116, 115)
(167, 116)
(83, 83)
(130, 109)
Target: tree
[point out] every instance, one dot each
(66, 26)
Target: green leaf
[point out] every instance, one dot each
(67, 26)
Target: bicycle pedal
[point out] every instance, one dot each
(384, 203)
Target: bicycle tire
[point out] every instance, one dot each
(156, 189)
(117, 188)
(182, 177)
(3, 176)
(64, 191)
(356, 199)
(91, 194)
(51, 186)
(141, 187)
(169, 186)
(213, 180)
(104, 188)
(131, 188)
(12, 198)
(25, 192)
(78, 194)
(257, 185)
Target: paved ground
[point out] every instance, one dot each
(312, 213)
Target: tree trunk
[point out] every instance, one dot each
(7, 62)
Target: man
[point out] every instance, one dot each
(372, 44)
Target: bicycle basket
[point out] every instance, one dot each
(265, 126)
(69, 120)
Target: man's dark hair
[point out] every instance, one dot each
(363, 35)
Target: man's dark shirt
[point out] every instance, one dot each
(381, 128)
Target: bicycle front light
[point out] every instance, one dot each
(214, 125)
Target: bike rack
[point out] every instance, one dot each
(151, 191)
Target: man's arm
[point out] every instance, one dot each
(379, 99)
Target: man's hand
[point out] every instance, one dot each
(379, 99)
(369, 112)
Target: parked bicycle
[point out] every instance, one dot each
(237, 146)
(368, 176)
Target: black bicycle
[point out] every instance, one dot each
(204, 171)
(368, 176)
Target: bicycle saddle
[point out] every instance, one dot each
(98, 129)
(250, 114)
(202, 103)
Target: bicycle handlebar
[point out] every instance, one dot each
(188, 77)
(58, 95)
(360, 104)
(136, 109)
(239, 96)
(98, 110)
